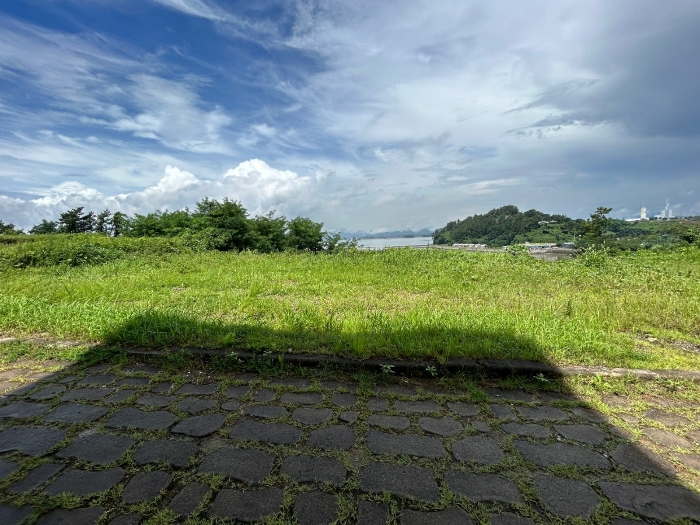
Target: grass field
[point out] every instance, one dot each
(637, 310)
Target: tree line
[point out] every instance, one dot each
(219, 225)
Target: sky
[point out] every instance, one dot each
(365, 115)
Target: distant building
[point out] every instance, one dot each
(642, 216)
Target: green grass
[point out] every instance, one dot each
(418, 304)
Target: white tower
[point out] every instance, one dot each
(643, 213)
(667, 211)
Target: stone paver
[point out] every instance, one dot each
(230, 406)
(194, 405)
(7, 467)
(237, 391)
(398, 390)
(392, 422)
(543, 413)
(266, 411)
(174, 452)
(196, 390)
(34, 441)
(265, 396)
(590, 415)
(444, 426)
(561, 454)
(97, 448)
(634, 457)
(199, 426)
(480, 426)
(188, 499)
(244, 465)
(408, 482)
(449, 516)
(408, 444)
(668, 419)
(126, 519)
(277, 433)
(510, 395)
(508, 518)
(344, 400)
(305, 469)
(155, 401)
(83, 483)
(372, 513)
(416, 407)
(120, 396)
(133, 381)
(86, 394)
(294, 382)
(75, 413)
(478, 449)
(81, 516)
(311, 416)
(662, 502)
(315, 508)
(566, 497)
(133, 417)
(304, 398)
(377, 404)
(97, 380)
(483, 487)
(48, 392)
(527, 430)
(11, 515)
(145, 486)
(502, 411)
(21, 409)
(246, 506)
(333, 437)
(666, 438)
(36, 477)
(463, 409)
(688, 460)
(588, 434)
(349, 416)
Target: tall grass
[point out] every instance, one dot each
(401, 303)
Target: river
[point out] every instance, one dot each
(394, 242)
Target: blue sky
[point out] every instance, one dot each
(364, 115)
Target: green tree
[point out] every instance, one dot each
(9, 229)
(334, 243)
(102, 222)
(305, 234)
(119, 224)
(226, 223)
(268, 233)
(598, 223)
(44, 227)
(75, 221)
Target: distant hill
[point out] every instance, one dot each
(425, 232)
(508, 225)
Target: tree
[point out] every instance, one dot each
(227, 222)
(334, 243)
(44, 227)
(74, 221)
(268, 233)
(102, 222)
(9, 229)
(119, 223)
(305, 234)
(598, 223)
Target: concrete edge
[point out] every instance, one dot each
(495, 367)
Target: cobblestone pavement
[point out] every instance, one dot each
(119, 444)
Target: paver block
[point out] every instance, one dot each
(483, 487)
(14, 373)
(120, 396)
(244, 465)
(561, 454)
(277, 433)
(21, 409)
(145, 486)
(315, 508)
(48, 392)
(246, 506)
(11, 515)
(543, 413)
(97, 448)
(527, 430)
(349, 416)
(481, 426)
(416, 407)
(265, 396)
(175, 452)
(566, 497)
(237, 391)
(666, 438)
(140, 368)
(98, 369)
(230, 406)
(86, 394)
(199, 426)
(444, 426)
(694, 436)
(666, 418)
(510, 395)
(162, 388)
(155, 401)
(311, 416)
(478, 449)
(662, 502)
(81, 516)
(332, 384)
(377, 404)
(303, 398)
(589, 414)
(295, 382)
(7, 467)
(193, 405)
(635, 457)
(133, 381)
(463, 409)
(97, 380)
(588, 434)
(33, 441)
(371, 513)
(393, 422)
(266, 411)
(411, 482)
(502, 411)
(84, 483)
(409, 444)
(310, 469)
(688, 460)
(36, 477)
(333, 437)
(344, 400)
(197, 390)
(449, 516)
(508, 518)
(399, 390)
(616, 401)
(133, 417)
(75, 413)
(188, 499)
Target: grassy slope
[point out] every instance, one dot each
(411, 303)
